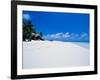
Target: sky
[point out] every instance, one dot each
(60, 26)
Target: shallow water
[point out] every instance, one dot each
(83, 44)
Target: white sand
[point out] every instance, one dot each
(47, 54)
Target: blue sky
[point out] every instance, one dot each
(60, 26)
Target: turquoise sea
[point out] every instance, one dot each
(83, 44)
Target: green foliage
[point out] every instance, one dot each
(28, 29)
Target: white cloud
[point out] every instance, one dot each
(74, 36)
(59, 35)
(83, 35)
(68, 36)
(55, 36)
(26, 16)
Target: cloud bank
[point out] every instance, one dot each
(68, 37)
(26, 16)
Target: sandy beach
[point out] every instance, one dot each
(50, 54)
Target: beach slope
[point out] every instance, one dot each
(50, 54)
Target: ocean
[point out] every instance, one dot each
(83, 44)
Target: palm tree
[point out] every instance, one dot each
(28, 29)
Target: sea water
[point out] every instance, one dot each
(83, 44)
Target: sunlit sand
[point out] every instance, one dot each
(48, 54)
